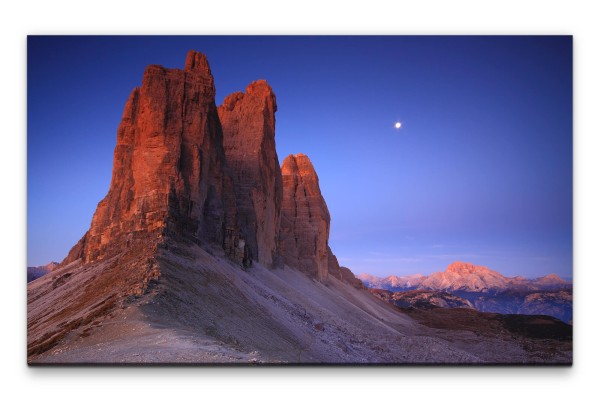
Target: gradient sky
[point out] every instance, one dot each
(481, 170)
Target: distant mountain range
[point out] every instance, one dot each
(479, 287)
(460, 276)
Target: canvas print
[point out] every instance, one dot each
(283, 200)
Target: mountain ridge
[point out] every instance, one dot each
(463, 276)
(484, 289)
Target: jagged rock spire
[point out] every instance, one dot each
(304, 218)
(248, 121)
(169, 172)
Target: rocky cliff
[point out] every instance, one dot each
(186, 172)
(185, 168)
(170, 185)
(248, 121)
(304, 218)
(169, 172)
(305, 223)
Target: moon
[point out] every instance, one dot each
(398, 125)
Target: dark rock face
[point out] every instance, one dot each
(34, 272)
(304, 219)
(421, 299)
(169, 171)
(248, 121)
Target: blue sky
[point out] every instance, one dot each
(481, 170)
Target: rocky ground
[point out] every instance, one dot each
(205, 310)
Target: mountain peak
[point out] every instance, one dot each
(248, 122)
(299, 164)
(551, 281)
(197, 62)
(169, 175)
(466, 276)
(465, 268)
(258, 93)
(261, 88)
(304, 218)
(553, 276)
(289, 165)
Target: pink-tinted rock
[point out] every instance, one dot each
(169, 171)
(248, 121)
(305, 222)
(304, 218)
(170, 185)
(467, 277)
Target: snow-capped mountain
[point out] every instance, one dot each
(393, 283)
(461, 276)
(487, 290)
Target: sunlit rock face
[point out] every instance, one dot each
(169, 170)
(170, 186)
(304, 218)
(465, 276)
(305, 222)
(248, 121)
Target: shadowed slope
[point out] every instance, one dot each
(78, 294)
(204, 309)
